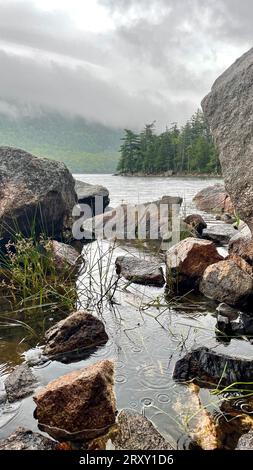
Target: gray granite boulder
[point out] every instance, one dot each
(229, 111)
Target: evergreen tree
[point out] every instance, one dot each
(187, 150)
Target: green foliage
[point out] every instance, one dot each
(188, 150)
(29, 276)
(84, 147)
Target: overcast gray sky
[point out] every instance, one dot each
(118, 62)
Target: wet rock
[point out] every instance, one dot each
(229, 111)
(140, 271)
(245, 442)
(66, 259)
(220, 233)
(95, 196)
(77, 335)
(214, 199)
(24, 439)
(242, 245)
(208, 368)
(20, 383)
(80, 405)
(186, 262)
(195, 223)
(226, 282)
(137, 433)
(34, 189)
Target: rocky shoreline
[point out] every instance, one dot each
(41, 271)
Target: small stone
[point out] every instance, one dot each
(79, 333)
(195, 223)
(140, 271)
(228, 312)
(20, 383)
(138, 433)
(24, 439)
(245, 442)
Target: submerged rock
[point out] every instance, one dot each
(36, 194)
(208, 368)
(187, 260)
(24, 439)
(229, 111)
(214, 199)
(140, 271)
(20, 383)
(195, 223)
(219, 233)
(226, 282)
(77, 335)
(95, 196)
(135, 432)
(80, 405)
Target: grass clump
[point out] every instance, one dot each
(30, 276)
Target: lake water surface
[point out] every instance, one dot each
(145, 341)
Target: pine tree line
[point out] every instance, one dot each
(186, 150)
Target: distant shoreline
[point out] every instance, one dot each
(174, 175)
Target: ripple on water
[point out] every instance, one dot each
(153, 376)
(163, 398)
(120, 379)
(136, 350)
(147, 402)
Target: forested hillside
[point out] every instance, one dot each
(186, 150)
(83, 146)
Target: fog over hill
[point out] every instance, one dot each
(84, 147)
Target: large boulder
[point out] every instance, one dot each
(208, 368)
(95, 196)
(76, 335)
(186, 262)
(214, 199)
(80, 405)
(140, 271)
(37, 195)
(24, 439)
(20, 383)
(226, 282)
(229, 111)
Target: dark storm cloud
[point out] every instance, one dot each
(156, 64)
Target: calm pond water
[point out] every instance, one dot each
(145, 340)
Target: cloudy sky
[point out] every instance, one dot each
(117, 62)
